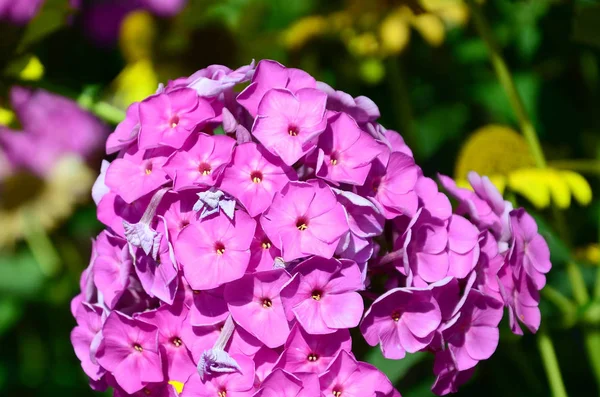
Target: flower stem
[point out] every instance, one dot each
(564, 304)
(505, 78)
(592, 342)
(580, 292)
(551, 364)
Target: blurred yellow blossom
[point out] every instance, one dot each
(6, 116)
(27, 68)
(378, 29)
(589, 254)
(138, 79)
(503, 155)
(26, 197)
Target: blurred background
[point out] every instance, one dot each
(426, 63)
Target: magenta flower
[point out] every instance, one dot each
(521, 297)
(200, 163)
(126, 132)
(401, 320)
(288, 123)
(208, 307)
(152, 389)
(262, 252)
(345, 151)
(350, 378)
(304, 219)
(86, 336)
(176, 357)
(134, 176)
(362, 109)
(530, 249)
(391, 186)
(170, 119)
(216, 79)
(215, 251)
(112, 266)
(268, 75)
(322, 295)
(448, 377)
(129, 350)
(255, 304)
(19, 12)
(474, 335)
(235, 384)
(312, 353)
(281, 383)
(179, 213)
(254, 177)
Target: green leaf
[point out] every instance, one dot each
(20, 275)
(394, 369)
(438, 126)
(10, 312)
(52, 17)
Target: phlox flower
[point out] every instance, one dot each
(402, 320)
(85, 338)
(169, 119)
(254, 302)
(345, 151)
(288, 123)
(322, 295)
(215, 250)
(129, 350)
(255, 176)
(271, 74)
(304, 219)
(235, 384)
(199, 163)
(312, 353)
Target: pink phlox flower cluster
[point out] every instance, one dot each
(247, 233)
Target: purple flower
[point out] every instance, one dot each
(350, 378)
(255, 304)
(135, 176)
(391, 186)
(263, 252)
(271, 74)
(474, 335)
(402, 320)
(521, 297)
(176, 357)
(345, 151)
(86, 336)
(312, 353)
(19, 12)
(126, 132)
(169, 119)
(216, 79)
(200, 163)
(235, 384)
(304, 219)
(361, 108)
(129, 350)
(215, 250)
(208, 307)
(322, 295)
(254, 177)
(288, 123)
(530, 250)
(448, 377)
(112, 267)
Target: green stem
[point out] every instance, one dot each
(41, 246)
(585, 166)
(580, 292)
(551, 364)
(107, 112)
(505, 78)
(563, 303)
(592, 342)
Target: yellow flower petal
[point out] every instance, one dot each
(559, 189)
(137, 34)
(395, 33)
(304, 30)
(6, 117)
(177, 385)
(431, 28)
(493, 150)
(33, 70)
(579, 187)
(135, 82)
(528, 183)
